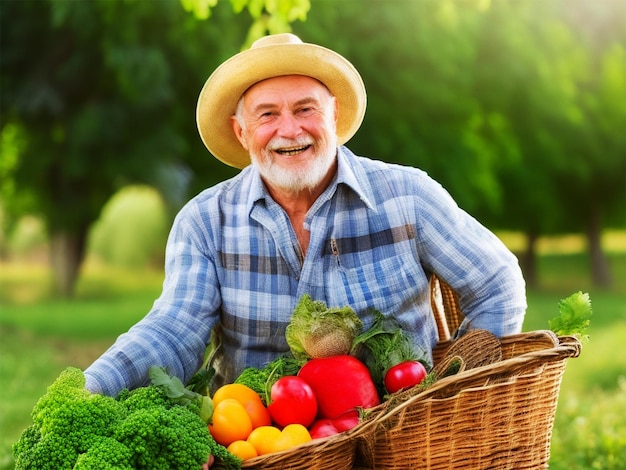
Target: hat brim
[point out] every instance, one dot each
(223, 89)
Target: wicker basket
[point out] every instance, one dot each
(496, 412)
(498, 415)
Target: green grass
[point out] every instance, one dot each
(41, 336)
(28, 365)
(97, 319)
(590, 427)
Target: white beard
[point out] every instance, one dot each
(306, 177)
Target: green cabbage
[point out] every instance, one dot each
(316, 331)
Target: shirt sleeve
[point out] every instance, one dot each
(469, 257)
(175, 332)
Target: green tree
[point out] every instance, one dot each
(132, 229)
(417, 61)
(100, 94)
(516, 107)
(596, 171)
(563, 103)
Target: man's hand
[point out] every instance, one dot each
(208, 463)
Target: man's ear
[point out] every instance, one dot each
(238, 130)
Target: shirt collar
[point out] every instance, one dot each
(349, 173)
(257, 190)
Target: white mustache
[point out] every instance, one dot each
(278, 143)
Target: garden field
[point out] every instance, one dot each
(41, 336)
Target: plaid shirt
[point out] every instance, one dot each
(233, 262)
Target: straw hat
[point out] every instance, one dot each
(274, 56)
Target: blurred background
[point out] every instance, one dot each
(517, 107)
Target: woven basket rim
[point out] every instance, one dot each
(568, 346)
(487, 386)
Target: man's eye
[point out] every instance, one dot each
(305, 111)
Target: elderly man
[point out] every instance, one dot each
(304, 216)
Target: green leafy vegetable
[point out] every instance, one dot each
(201, 381)
(384, 345)
(574, 316)
(316, 331)
(138, 429)
(176, 391)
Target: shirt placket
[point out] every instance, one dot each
(274, 219)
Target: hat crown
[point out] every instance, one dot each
(276, 40)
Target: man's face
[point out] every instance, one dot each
(288, 125)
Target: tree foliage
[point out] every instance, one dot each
(418, 62)
(269, 16)
(516, 107)
(100, 94)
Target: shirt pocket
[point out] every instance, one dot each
(390, 284)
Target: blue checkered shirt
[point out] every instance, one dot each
(234, 266)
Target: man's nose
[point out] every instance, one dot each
(288, 125)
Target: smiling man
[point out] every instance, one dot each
(304, 216)
(288, 126)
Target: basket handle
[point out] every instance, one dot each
(572, 345)
(444, 302)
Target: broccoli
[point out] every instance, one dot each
(163, 437)
(141, 398)
(105, 454)
(255, 379)
(47, 452)
(139, 429)
(67, 421)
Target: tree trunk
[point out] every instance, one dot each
(528, 261)
(67, 251)
(600, 270)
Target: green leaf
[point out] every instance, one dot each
(201, 381)
(173, 387)
(200, 8)
(206, 409)
(574, 316)
(178, 393)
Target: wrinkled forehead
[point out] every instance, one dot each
(274, 89)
